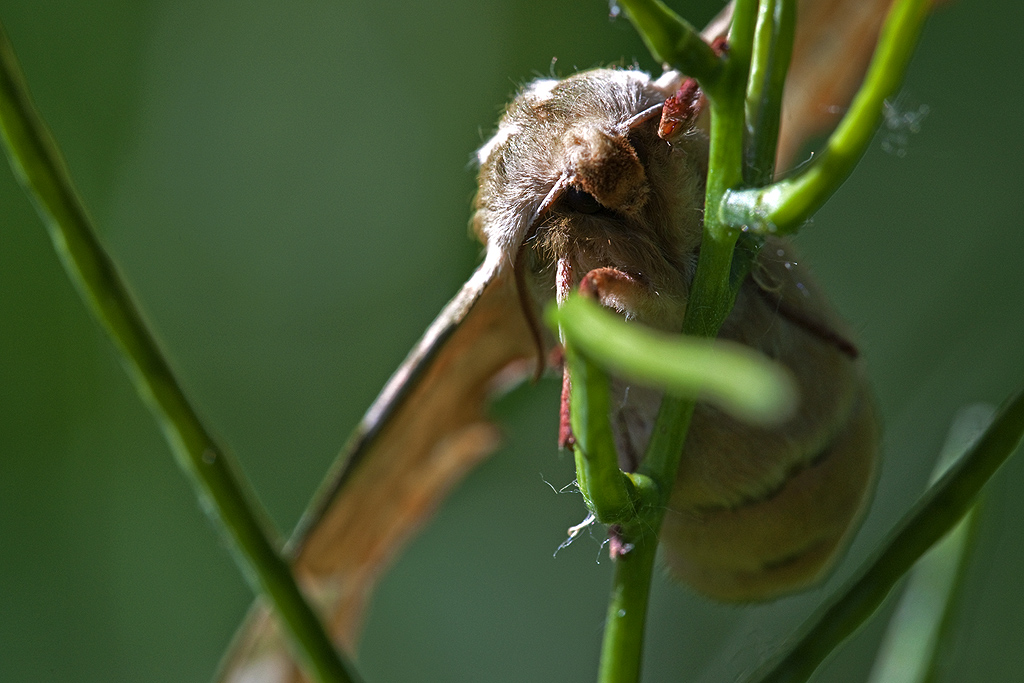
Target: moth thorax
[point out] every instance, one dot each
(606, 166)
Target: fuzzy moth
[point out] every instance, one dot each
(582, 181)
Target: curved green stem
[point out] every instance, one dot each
(782, 207)
(608, 492)
(938, 511)
(41, 169)
(674, 41)
(731, 376)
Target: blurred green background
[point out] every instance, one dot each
(286, 185)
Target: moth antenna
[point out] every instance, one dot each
(552, 196)
(643, 117)
(531, 315)
(520, 272)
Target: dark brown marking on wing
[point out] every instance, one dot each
(810, 325)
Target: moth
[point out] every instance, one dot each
(585, 179)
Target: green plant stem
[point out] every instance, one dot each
(911, 647)
(731, 376)
(633, 503)
(782, 207)
(674, 41)
(41, 169)
(714, 291)
(773, 47)
(623, 644)
(938, 511)
(711, 298)
(725, 152)
(608, 492)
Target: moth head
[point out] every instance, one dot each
(603, 171)
(583, 153)
(577, 177)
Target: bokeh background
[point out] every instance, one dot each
(286, 186)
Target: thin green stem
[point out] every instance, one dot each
(911, 647)
(666, 447)
(938, 511)
(725, 152)
(615, 498)
(710, 301)
(674, 41)
(623, 644)
(773, 46)
(41, 169)
(608, 492)
(783, 206)
(714, 291)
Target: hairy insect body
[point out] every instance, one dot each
(577, 184)
(576, 177)
(598, 180)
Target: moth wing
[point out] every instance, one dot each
(833, 44)
(420, 437)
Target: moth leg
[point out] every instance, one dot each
(629, 296)
(529, 312)
(620, 292)
(566, 439)
(613, 288)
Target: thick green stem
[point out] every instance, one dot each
(714, 291)
(783, 206)
(41, 169)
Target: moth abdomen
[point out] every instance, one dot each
(787, 539)
(759, 512)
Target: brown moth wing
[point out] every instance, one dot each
(831, 49)
(421, 436)
(758, 512)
